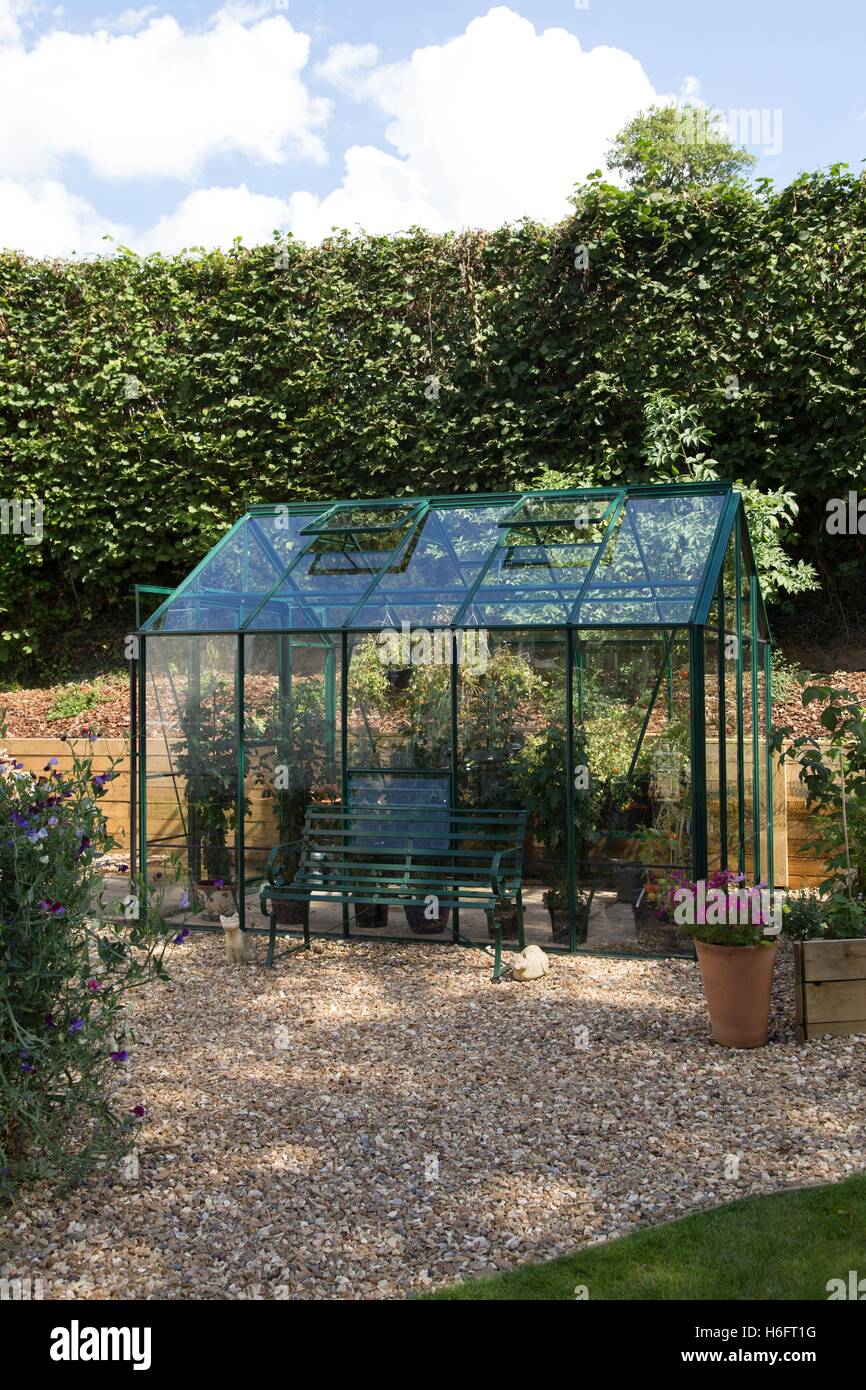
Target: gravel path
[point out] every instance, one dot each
(370, 1120)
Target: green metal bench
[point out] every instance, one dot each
(428, 857)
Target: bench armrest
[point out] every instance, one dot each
(496, 870)
(273, 859)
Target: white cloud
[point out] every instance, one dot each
(11, 14)
(45, 219)
(497, 123)
(214, 217)
(159, 102)
(346, 66)
(127, 21)
(378, 194)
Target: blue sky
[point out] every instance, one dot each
(190, 122)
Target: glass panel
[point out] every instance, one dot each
(332, 573)
(631, 759)
(538, 571)
(652, 566)
(355, 518)
(715, 772)
(191, 772)
(452, 546)
(399, 744)
(241, 570)
(750, 809)
(536, 512)
(763, 798)
(512, 755)
(291, 752)
(399, 705)
(731, 672)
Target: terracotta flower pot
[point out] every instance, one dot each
(738, 981)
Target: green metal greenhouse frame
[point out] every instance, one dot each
(661, 567)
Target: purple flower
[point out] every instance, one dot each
(184, 899)
(94, 985)
(137, 1111)
(56, 909)
(48, 1020)
(27, 1067)
(122, 868)
(85, 844)
(181, 937)
(76, 1025)
(52, 762)
(121, 1056)
(99, 781)
(18, 819)
(219, 883)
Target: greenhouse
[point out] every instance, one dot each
(569, 689)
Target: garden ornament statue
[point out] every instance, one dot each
(529, 964)
(239, 947)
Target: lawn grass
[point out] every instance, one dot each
(784, 1246)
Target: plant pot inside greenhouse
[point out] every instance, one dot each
(418, 921)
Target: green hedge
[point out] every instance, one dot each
(314, 372)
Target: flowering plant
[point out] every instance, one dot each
(65, 971)
(722, 910)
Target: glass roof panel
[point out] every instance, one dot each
(239, 572)
(450, 549)
(605, 556)
(652, 566)
(540, 567)
(355, 517)
(553, 511)
(333, 571)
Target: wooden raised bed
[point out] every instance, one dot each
(830, 984)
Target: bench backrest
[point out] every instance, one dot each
(464, 840)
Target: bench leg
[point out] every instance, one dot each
(521, 940)
(496, 929)
(307, 924)
(272, 940)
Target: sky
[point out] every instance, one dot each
(168, 127)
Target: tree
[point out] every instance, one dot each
(677, 147)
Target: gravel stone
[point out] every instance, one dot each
(369, 1120)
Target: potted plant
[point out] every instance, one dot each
(555, 899)
(736, 941)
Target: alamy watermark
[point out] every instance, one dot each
(728, 906)
(21, 1290)
(758, 126)
(22, 516)
(854, 1289)
(846, 516)
(423, 646)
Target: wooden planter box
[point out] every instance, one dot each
(830, 983)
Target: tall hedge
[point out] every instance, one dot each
(148, 401)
